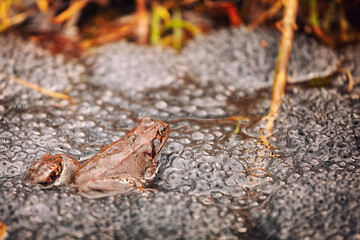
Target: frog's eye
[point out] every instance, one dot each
(162, 131)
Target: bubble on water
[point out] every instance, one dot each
(75, 152)
(12, 170)
(174, 109)
(79, 134)
(179, 163)
(161, 105)
(164, 114)
(5, 134)
(175, 147)
(197, 136)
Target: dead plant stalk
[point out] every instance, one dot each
(281, 69)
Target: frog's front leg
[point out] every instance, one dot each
(109, 186)
(52, 170)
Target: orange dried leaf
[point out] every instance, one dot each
(3, 233)
(263, 43)
(233, 15)
(42, 5)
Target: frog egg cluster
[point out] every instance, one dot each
(207, 165)
(212, 184)
(22, 59)
(179, 216)
(323, 140)
(135, 67)
(322, 191)
(319, 206)
(242, 58)
(233, 57)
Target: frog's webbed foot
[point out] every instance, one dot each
(109, 186)
(152, 190)
(52, 170)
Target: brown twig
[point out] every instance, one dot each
(110, 34)
(281, 69)
(314, 22)
(230, 9)
(40, 89)
(350, 84)
(143, 22)
(73, 8)
(275, 8)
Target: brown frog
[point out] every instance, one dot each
(119, 167)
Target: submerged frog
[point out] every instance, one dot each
(119, 167)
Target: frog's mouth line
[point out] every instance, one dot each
(153, 151)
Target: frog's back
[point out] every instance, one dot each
(129, 155)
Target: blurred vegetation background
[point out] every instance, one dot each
(71, 26)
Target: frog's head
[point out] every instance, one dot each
(151, 135)
(157, 131)
(163, 132)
